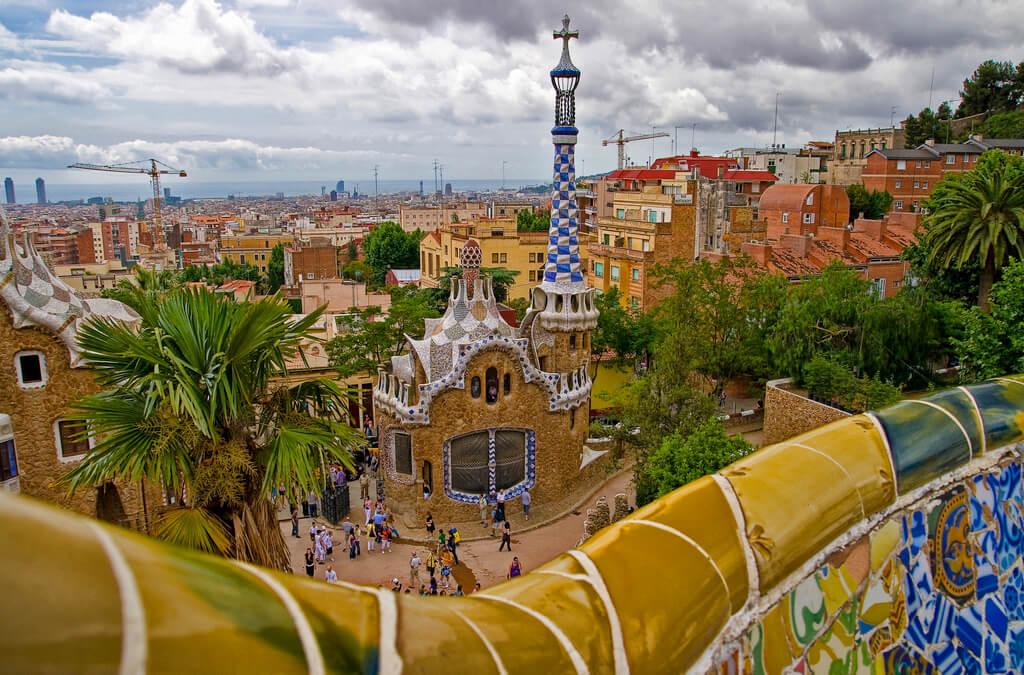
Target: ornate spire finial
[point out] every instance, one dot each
(564, 78)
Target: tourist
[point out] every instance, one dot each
(440, 538)
(426, 492)
(458, 591)
(355, 539)
(385, 538)
(367, 508)
(501, 505)
(495, 520)
(414, 570)
(346, 527)
(329, 544)
(310, 560)
(526, 503)
(506, 537)
(313, 530)
(433, 586)
(514, 570)
(321, 549)
(312, 499)
(453, 542)
(476, 589)
(364, 486)
(430, 525)
(379, 517)
(352, 546)
(396, 585)
(295, 523)
(423, 591)
(371, 536)
(446, 566)
(305, 508)
(330, 576)
(484, 508)
(431, 563)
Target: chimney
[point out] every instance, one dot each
(930, 142)
(761, 253)
(797, 243)
(874, 228)
(838, 235)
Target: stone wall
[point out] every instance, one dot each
(34, 413)
(787, 413)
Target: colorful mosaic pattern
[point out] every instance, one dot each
(511, 492)
(562, 269)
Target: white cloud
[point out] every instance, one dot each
(48, 82)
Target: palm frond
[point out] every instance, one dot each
(195, 528)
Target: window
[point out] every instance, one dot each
(634, 302)
(843, 155)
(474, 387)
(572, 342)
(927, 163)
(808, 219)
(629, 243)
(598, 269)
(924, 185)
(636, 274)
(898, 184)
(506, 387)
(533, 257)
(652, 216)
(403, 452)
(901, 165)
(494, 257)
(615, 272)
(810, 199)
(533, 275)
(918, 164)
(509, 458)
(950, 159)
(31, 367)
(468, 457)
(309, 275)
(70, 447)
(915, 205)
(492, 385)
(785, 217)
(8, 460)
(428, 478)
(976, 159)
(883, 145)
(646, 245)
(898, 205)
(917, 184)
(504, 257)
(620, 214)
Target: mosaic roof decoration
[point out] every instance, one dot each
(37, 297)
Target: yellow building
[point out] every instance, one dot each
(431, 218)
(501, 245)
(252, 249)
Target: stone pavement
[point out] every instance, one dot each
(479, 555)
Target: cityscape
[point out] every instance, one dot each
(328, 369)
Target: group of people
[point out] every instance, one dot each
(322, 548)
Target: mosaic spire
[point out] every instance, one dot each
(562, 268)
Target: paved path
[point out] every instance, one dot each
(481, 560)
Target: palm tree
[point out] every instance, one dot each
(978, 216)
(147, 285)
(192, 403)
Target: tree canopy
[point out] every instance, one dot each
(275, 269)
(873, 205)
(683, 459)
(992, 343)
(926, 125)
(528, 221)
(994, 87)
(387, 246)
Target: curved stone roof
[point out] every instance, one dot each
(37, 297)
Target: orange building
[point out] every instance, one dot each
(802, 209)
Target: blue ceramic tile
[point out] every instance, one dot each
(999, 402)
(943, 623)
(983, 502)
(918, 532)
(1013, 595)
(987, 580)
(988, 542)
(1010, 542)
(969, 629)
(972, 666)
(997, 658)
(925, 443)
(946, 660)
(1009, 482)
(1016, 649)
(995, 617)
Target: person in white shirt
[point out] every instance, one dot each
(526, 503)
(329, 544)
(330, 576)
(414, 570)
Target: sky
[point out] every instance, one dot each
(327, 89)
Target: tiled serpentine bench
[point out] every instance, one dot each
(885, 542)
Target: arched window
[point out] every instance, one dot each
(507, 384)
(403, 453)
(572, 417)
(474, 387)
(428, 479)
(572, 342)
(492, 385)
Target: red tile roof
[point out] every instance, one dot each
(746, 175)
(641, 174)
(784, 197)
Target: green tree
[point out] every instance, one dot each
(275, 269)
(528, 221)
(927, 125)
(221, 272)
(992, 343)
(356, 270)
(351, 250)
(943, 283)
(191, 402)
(621, 335)
(372, 337)
(873, 205)
(388, 246)
(978, 217)
(520, 305)
(146, 286)
(1003, 125)
(995, 86)
(681, 460)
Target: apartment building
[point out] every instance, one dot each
(252, 249)
(852, 147)
(802, 209)
(430, 218)
(501, 244)
(319, 259)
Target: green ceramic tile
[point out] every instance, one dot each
(960, 405)
(925, 443)
(1002, 411)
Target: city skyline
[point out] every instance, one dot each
(285, 89)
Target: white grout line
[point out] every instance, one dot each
(134, 645)
(314, 659)
(981, 420)
(574, 656)
(595, 579)
(390, 659)
(888, 453)
(970, 444)
(753, 575)
(853, 483)
(487, 643)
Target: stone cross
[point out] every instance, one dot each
(566, 34)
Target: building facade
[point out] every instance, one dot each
(477, 406)
(311, 261)
(430, 218)
(252, 250)
(852, 147)
(802, 209)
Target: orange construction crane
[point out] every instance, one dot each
(621, 142)
(154, 174)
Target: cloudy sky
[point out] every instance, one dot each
(326, 89)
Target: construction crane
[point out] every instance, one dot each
(621, 142)
(154, 174)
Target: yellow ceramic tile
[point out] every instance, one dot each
(838, 586)
(671, 600)
(855, 443)
(60, 613)
(432, 638)
(883, 542)
(795, 501)
(700, 510)
(775, 653)
(876, 605)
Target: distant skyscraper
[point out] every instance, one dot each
(340, 187)
(167, 193)
(448, 189)
(40, 191)
(9, 189)
(421, 188)
(334, 195)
